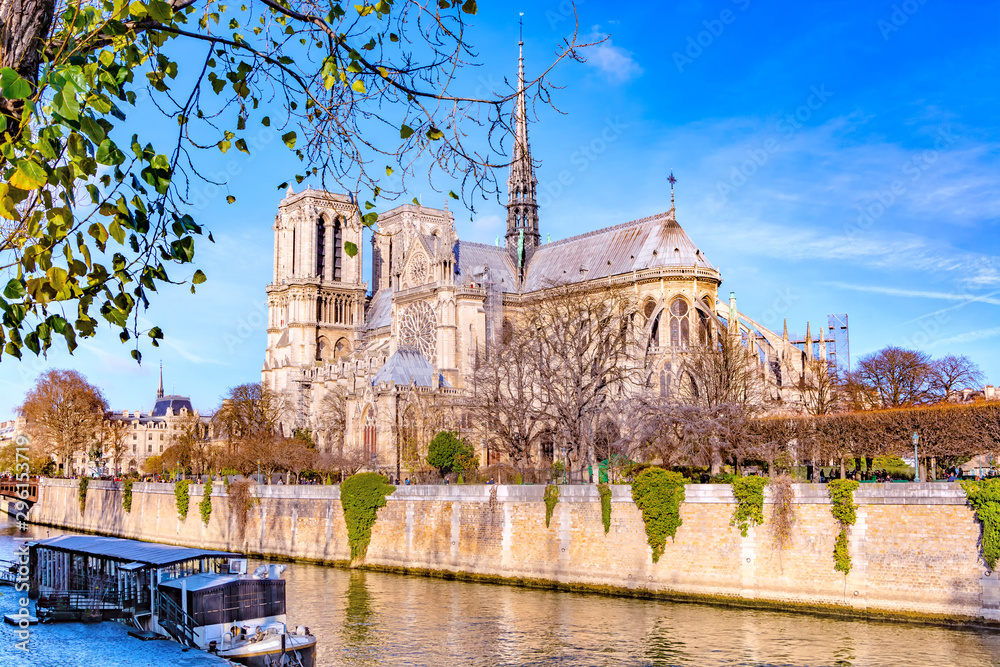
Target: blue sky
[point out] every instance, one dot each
(830, 157)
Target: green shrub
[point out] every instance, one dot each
(181, 494)
(984, 497)
(127, 495)
(447, 452)
(361, 496)
(658, 494)
(749, 493)
(845, 512)
(82, 491)
(605, 492)
(551, 498)
(205, 506)
(723, 478)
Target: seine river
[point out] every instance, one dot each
(384, 619)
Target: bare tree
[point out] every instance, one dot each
(332, 420)
(951, 374)
(724, 372)
(250, 410)
(63, 414)
(114, 434)
(589, 359)
(819, 387)
(505, 386)
(190, 447)
(898, 377)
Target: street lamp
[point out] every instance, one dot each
(373, 461)
(258, 471)
(916, 460)
(565, 471)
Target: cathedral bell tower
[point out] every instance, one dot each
(522, 207)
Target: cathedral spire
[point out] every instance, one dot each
(522, 206)
(159, 391)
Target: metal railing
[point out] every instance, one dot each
(175, 620)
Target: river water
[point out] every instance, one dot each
(379, 619)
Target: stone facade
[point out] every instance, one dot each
(914, 547)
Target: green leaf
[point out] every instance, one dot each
(358, 86)
(452, 194)
(241, 145)
(350, 248)
(405, 131)
(469, 7)
(13, 86)
(14, 289)
(65, 104)
(289, 139)
(199, 277)
(28, 176)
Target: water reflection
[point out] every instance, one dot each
(365, 619)
(375, 618)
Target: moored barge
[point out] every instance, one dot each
(201, 598)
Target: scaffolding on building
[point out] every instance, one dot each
(838, 347)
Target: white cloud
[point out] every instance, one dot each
(917, 294)
(613, 62)
(970, 336)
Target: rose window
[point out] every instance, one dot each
(418, 270)
(418, 329)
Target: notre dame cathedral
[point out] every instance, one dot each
(360, 361)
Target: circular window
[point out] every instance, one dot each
(679, 307)
(418, 330)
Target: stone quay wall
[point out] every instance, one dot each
(914, 547)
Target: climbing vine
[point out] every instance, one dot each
(205, 506)
(82, 490)
(241, 500)
(127, 495)
(984, 496)
(551, 498)
(749, 493)
(658, 494)
(605, 492)
(361, 496)
(783, 510)
(845, 512)
(183, 499)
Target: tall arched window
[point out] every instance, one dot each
(680, 327)
(704, 328)
(337, 248)
(369, 435)
(320, 248)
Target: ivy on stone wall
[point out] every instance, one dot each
(205, 506)
(984, 497)
(605, 492)
(82, 490)
(749, 494)
(658, 493)
(241, 501)
(845, 512)
(551, 498)
(361, 496)
(127, 495)
(183, 499)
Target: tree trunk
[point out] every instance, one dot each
(24, 26)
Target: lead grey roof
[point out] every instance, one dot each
(407, 367)
(473, 260)
(653, 242)
(177, 403)
(379, 310)
(116, 548)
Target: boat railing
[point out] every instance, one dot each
(8, 572)
(177, 622)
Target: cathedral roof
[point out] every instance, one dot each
(473, 258)
(407, 367)
(379, 313)
(648, 243)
